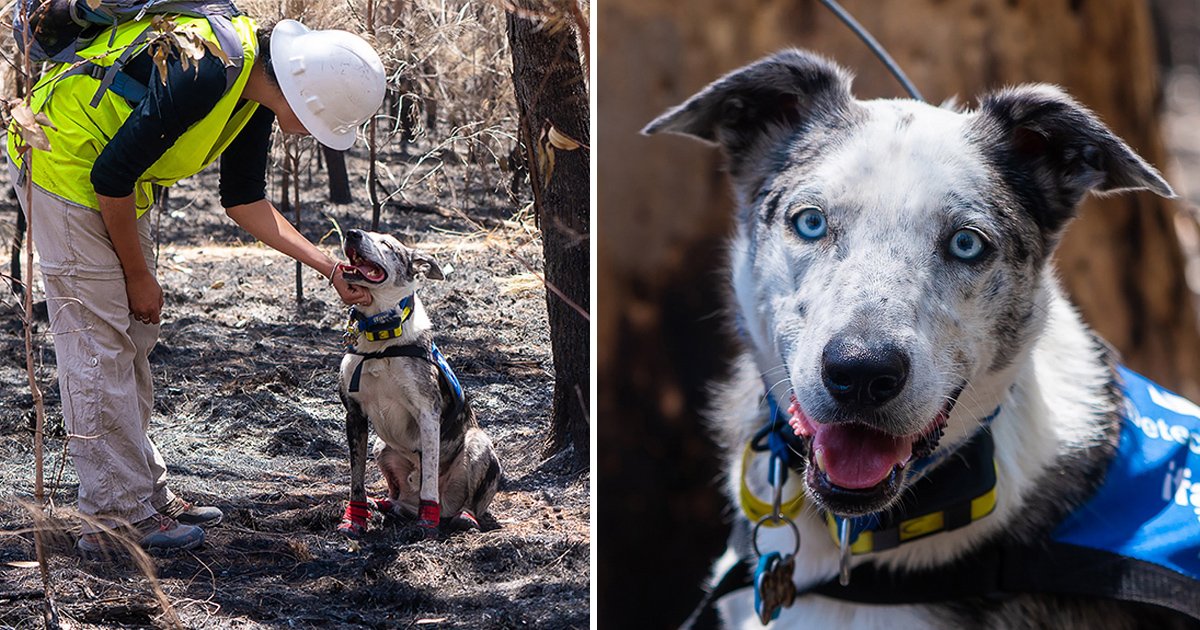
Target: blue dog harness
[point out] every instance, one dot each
(390, 325)
(1149, 506)
(1136, 539)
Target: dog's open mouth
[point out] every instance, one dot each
(854, 469)
(361, 269)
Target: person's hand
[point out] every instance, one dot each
(145, 297)
(351, 294)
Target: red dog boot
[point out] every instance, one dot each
(354, 520)
(384, 506)
(464, 522)
(428, 517)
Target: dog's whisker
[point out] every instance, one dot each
(767, 373)
(771, 390)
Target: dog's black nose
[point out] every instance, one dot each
(855, 371)
(353, 236)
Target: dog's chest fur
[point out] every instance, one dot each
(394, 393)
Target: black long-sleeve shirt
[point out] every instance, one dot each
(166, 112)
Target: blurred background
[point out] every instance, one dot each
(1129, 262)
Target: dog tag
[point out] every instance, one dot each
(350, 337)
(773, 586)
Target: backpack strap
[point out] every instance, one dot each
(227, 38)
(110, 75)
(121, 83)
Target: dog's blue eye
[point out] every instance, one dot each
(967, 244)
(810, 224)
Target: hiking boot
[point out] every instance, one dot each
(157, 532)
(164, 532)
(188, 514)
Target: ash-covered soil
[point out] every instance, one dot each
(248, 418)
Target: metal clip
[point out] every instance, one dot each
(776, 469)
(844, 549)
(350, 335)
(776, 517)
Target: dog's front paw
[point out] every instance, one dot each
(354, 519)
(429, 515)
(350, 529)
(386, 507)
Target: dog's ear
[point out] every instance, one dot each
(423, 265)
(762, 101)
(1044, 138)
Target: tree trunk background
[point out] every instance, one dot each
(14, 267)
(550, 91)
(665, 210)
(339, 179)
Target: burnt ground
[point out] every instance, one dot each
(248, 419)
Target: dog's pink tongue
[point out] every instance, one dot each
(857, 457)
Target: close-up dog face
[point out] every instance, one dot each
(884, 300)
(382, 264)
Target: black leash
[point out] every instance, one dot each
(875, 47)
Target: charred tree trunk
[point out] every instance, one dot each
(405, 110)
(298, 224)
(19, 237)
(665, 213)
(290, 201)
(551, 95)
(339, 178)
(15, 264)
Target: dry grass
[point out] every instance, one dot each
(449, 100)
(120, 546)
(239, 433)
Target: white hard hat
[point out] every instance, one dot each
(333, 80)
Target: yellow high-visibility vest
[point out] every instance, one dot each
(80, 132)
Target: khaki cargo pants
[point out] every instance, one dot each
(103, 370)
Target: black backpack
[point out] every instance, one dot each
(54, 30)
